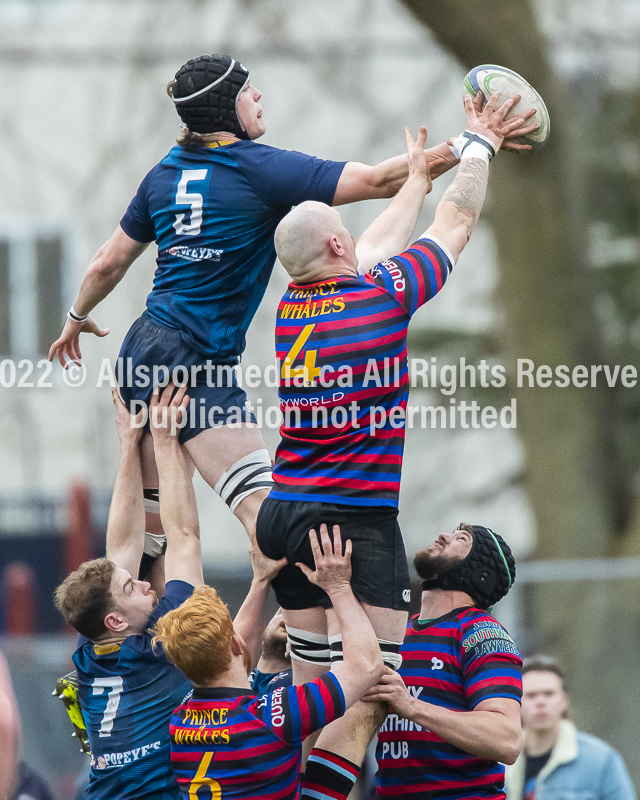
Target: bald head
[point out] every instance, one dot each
(304, 240)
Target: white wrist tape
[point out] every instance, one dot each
(73, 315)
(473, 145)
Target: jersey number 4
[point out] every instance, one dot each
(193, 199)
(115, 684)
(200, 779)
(309, 372)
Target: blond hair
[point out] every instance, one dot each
(196, 636)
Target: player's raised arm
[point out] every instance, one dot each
(458, 211)
(178, 508)
(106, 270)
(363, 182)
(250, 621)
(126, 526)
(391, 231)
(362, 665)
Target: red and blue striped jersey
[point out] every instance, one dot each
(240, 746)
(455, 662)
(343, 385)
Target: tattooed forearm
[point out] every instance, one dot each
(468, 189)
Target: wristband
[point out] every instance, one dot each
(73, 315)
(473, 145)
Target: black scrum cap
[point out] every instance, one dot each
(205, 91)
(486, 573)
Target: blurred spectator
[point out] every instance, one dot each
(557, 761)
(17, 780)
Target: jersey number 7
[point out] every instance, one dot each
(116, 686)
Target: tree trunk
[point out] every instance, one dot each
(575, 481)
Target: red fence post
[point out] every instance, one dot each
(19, 581)
(77, 542)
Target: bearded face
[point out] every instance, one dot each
(429, 565)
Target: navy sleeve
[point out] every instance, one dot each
(137, 222)
(286, 177)
(415, 276)
(176, 592)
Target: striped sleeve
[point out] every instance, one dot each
(293, 712)
(492, 665)
(416, 275)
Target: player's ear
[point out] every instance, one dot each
(114, 621)
(335, 246)
(237, 645)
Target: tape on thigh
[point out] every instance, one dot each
(249, 474)
(390, 651)
(313, 648)
(154, 543)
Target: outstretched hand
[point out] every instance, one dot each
(418, 159)
(264, 569)
(523, 130)
(490, 120)
(129, 427)
(69, 342)
(167, 411)
(333, 568)
(393, 690)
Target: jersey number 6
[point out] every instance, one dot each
(193, 199)
(200, 779)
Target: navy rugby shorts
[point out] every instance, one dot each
(380, 574)
(215, 397)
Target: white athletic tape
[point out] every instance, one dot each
(390, 654)
(310, 647)
(249, 474)
(154, 544)
(473, 145)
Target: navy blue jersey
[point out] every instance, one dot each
(127, 693)
(213, 211)
(263, 682)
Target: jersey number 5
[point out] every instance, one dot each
(193, 199)
(200, 779)
(115, 684)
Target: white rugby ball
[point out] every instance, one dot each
(490, 78)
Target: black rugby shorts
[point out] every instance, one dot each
(380, 575)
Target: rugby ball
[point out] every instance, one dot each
(490, 78)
